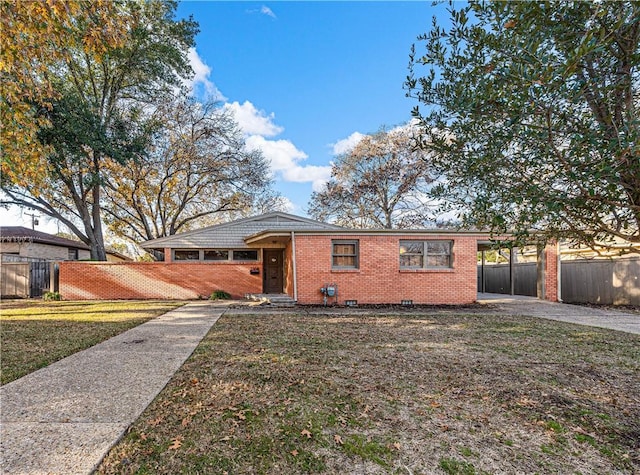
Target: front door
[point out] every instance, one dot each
(273, 271)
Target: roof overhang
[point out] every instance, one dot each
(268, 237)
(485, 240)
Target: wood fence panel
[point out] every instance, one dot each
(597, 281)
(497, 278)
(605, 282)
(14, 278)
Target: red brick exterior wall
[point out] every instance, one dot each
(551, 272)
(157, 280)
(379, 278)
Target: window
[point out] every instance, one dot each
(245, 255)
(186, 255)
(425, 254)
(344, 254)
(73, 254)
(216, 255)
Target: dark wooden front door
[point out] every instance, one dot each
(273, 271)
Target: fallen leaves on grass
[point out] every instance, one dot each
(176, 443)
(408, 394)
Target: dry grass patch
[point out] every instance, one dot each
(36, 333)
(454, 394)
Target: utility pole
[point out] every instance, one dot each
(34, 220)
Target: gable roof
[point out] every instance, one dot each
(232, 234)
(21, 234)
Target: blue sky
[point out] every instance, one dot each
(304, 79)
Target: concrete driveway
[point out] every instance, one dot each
(582, 315)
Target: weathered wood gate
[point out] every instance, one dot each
(39, 278)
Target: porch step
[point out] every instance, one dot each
(274, 300)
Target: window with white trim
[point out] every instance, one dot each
(423, 254)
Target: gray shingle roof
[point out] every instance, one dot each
(231, 235)
(22, 234)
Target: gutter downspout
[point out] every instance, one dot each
(293, 259)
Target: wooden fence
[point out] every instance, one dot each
(25, 279)
(597, 281)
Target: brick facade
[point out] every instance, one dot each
(550, 275)
(143, 280)
(379, 278)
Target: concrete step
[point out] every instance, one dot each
(274, 300)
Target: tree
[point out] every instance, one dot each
(99, 115)
(383, 182)
(533, 116)
(34, 37)
(195, 169)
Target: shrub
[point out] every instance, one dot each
(220, 295)
(52, 296)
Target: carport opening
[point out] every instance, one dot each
(510, 270)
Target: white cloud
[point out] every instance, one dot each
(201, 77)
(281, 153)
(265, 10)
(253, 121)
(285, 160)
(344, 145)
(316, 174)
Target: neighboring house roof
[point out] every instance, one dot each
(21, 234)
(232, 234)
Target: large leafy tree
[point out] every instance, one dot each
(100, 114)
(34, 37)
(382, 182)
(195, 169)
(532, 112)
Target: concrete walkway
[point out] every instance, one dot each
(582, 315)
(64, 418)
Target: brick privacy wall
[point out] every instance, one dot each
(157, 280)
(379, 278)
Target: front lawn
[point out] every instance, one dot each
(35, 333)
(410, 394)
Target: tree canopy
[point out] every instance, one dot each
(99, 111)
(194, 169)
(382, 182)
(531, 112)
(35, 36)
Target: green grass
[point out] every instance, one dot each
(435, 393)
(35, 334)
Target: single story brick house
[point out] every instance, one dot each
(310, 261)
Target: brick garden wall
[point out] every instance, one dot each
(379, 278)
(144, 280)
